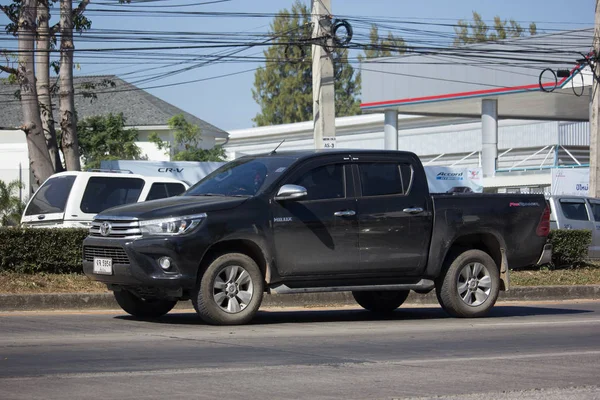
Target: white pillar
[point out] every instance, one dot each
(489, 139)
(390, 130)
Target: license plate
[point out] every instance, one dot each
(103, 266)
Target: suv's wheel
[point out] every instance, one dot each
(470, 285)
(230, 290)
(382, 301)
(143, 308)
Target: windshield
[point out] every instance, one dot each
(243, 177)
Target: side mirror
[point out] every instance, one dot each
(290, 192)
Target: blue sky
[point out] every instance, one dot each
(227, 102)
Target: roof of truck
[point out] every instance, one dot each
(315, 152)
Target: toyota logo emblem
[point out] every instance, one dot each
(105, 228)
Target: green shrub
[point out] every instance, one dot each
(41, 250)
(569, 247)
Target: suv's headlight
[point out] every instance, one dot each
(171, 226)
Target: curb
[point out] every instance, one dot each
(105, 301)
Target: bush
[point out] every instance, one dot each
(569, 247)
(41, 250)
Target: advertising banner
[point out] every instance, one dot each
(187, 171)
(454, 180)
(570, 181)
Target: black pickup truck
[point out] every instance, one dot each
(315, 221)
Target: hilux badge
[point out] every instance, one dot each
(282, 219)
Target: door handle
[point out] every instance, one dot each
(413, 210)
(347, 213)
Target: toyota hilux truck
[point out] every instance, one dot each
(315, 221)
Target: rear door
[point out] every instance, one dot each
(48, 204)
(395, 219)
(318, 234)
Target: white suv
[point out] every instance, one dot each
(72, 199)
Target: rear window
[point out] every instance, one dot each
(102, 193)
(52, 196)
(379, 179)
(574, 210)
(162, 190)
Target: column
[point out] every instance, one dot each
(489, 139)
(390, 130)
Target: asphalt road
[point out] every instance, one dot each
(529, 351)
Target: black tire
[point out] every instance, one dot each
(381, 301)
(455, 291)
(214, 305)
(143, 308)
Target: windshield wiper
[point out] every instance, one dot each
(210, 194)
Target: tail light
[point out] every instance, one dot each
(543, 228)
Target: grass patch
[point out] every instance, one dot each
(588, 275)
(15, 283)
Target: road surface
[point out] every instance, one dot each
(529, 351)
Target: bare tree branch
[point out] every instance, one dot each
(81, 8)
(8, 70)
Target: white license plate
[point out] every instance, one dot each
(103, 266)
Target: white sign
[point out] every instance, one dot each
(329, 142)
(570, 181)
(188, 171)
(454, 180)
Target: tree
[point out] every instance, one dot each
(105, 138)
(478, 31)
(11, 206)
(186, 142)
(29, 22)
(283, 87)
(383, 47)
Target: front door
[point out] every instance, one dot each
(318, 234)
(395, 220)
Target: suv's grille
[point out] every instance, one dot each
(115, 229)
(117, 254)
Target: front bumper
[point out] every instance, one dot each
(546, 256)
(135, 262)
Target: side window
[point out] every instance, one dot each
(174, 189)
(406, 171)
(574, 210)
(157, 191)
(379, 179)
(52, 196)
(161, 190)
(595, 210)
(325, 182)
(103, 192)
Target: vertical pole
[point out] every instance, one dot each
(322, 72)
(20, 184)
(489, 139)
(390, 130)
(595, 112)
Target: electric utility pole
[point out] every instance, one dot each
(595, 111)
(323, 79)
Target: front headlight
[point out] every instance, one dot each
(171, 226)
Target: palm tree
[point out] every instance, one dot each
(11, 206)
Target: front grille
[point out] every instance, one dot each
(117, 254)
(116, 229)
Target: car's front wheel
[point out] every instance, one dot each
(143, 308)
(381, 301)
(229, 291)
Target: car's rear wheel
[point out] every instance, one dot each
(381, 301)
(229, 291)
(143, 308)
(470, 285)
